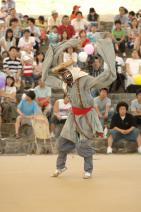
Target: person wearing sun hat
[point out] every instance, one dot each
(74, 11)
(54, 20)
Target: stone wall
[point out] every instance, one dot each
(26, 144)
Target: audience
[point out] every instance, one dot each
(53, 35)
(66, 26)
(123, 17)
(83, 40)
(70, 54)
(136, 107)
(123, 126)
(74, 12)
(118, 37)
(7, 41)
(8, 102)
(26, 110)
(43, 95)
(133, 68)
(38, 64)
(54, 20)
(102, 105)
(93, 17)
(12, 65)
(35, 31)
(26, 43)
(27, 73)
(79, 23)
(133, 33)
(61, 109)
(24, 38)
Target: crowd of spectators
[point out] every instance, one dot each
(21, 61)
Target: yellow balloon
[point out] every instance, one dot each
(137, 79)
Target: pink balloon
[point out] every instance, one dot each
(89, 49)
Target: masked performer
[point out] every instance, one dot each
(82, 124)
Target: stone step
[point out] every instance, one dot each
(106, 26)
(25, 146)
(122, 146)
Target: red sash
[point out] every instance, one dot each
(81, 111)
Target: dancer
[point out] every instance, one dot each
(83, 123)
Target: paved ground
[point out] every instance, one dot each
(26, 185)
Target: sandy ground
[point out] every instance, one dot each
(26, 185)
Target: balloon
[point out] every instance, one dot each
(137, 79)
(82, 57)
(2, 82)
(89, 49)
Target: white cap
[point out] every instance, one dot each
(54, 12)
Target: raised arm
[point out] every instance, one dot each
(106, 50)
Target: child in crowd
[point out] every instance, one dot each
(64, 36)
(24, 22)
(26, 109)
(83, 38)
(27, 75)
(93, 35)
(38, 63)
(70, 54)
(53, 36)
(118, 37)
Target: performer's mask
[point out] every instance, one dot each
(67, 77)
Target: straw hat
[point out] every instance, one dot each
(62, 66)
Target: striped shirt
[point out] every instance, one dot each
(13, 65)
(27, 70)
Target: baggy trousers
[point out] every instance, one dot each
(83, 148)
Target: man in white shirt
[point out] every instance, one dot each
(54, 20)
(35, 31)
(26, 43)
(79, 23)
(133, 67)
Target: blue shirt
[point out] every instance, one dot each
(42, 92)
(27, 108)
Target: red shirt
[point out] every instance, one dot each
(69, 29)
(85, 42)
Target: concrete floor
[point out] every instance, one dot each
(26, 185)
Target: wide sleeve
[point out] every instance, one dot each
(106, 50)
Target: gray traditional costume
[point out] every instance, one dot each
(83, 123)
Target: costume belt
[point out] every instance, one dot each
(81, 111)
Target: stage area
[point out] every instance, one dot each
(26, 185)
